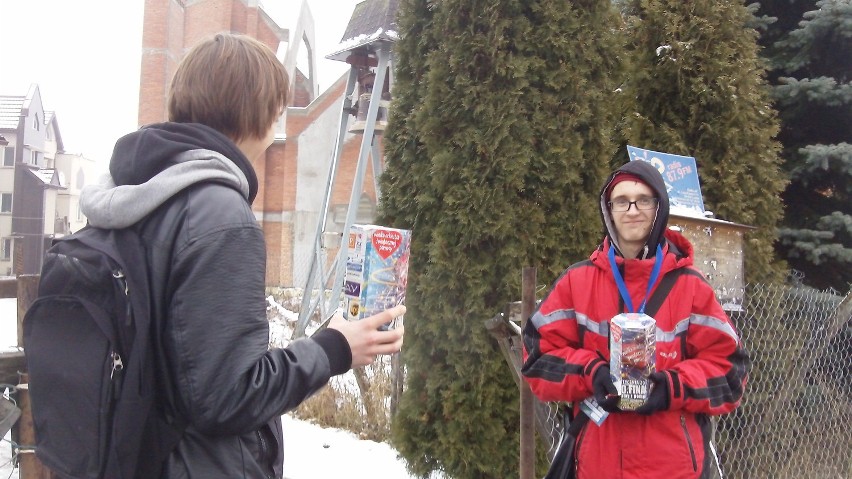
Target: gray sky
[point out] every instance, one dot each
(85, 57)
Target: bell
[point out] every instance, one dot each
(360, 122)
(362, 106)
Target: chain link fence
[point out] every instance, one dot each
(795, 418)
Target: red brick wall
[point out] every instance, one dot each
(301, 90)
(206, 18)
(162, 48)
(277, 182)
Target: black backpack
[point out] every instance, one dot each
(92, 363)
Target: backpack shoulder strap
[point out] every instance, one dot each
(663, 290)
(161, 434)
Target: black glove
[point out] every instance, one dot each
(605, 393)
(658, 400)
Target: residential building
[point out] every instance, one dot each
(36, 203)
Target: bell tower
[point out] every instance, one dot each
(366, 48)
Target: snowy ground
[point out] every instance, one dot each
(310, 452)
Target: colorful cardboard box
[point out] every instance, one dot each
(632, 354)
(376, 270)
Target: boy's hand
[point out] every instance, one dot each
(658, 400)
(364, 337)
(605, 392)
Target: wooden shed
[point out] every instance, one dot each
(718, 254)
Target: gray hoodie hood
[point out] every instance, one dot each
(152, 164)
(112, 206)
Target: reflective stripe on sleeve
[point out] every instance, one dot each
(597, 327)
(540, 320)
(669, 336)
(715, 323)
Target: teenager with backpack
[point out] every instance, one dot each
(186, 187)
(701, 366)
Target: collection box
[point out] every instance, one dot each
(376, 270)
(632, 350)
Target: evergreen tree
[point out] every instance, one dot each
(700, 91)
(498, 142)
(809, 46)
(406, 200)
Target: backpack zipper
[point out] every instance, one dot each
(119, 275)
(122, 280)
(115, 374)
(117, 363)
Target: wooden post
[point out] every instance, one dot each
(27, 292)
(527, 399)
(24, 433)
(17, 255)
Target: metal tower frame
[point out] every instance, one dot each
(316, 294)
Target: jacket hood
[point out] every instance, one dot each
(153, 164)
(139, 156)
(650, 175)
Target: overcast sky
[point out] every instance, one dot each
(85, 57)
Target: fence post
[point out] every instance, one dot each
(30, 466)
(527, 399)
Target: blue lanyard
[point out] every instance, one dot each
(622, 288)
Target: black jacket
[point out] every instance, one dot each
(187, 188)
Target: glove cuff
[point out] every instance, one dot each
(674, 387)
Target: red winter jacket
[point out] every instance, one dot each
(696, 346)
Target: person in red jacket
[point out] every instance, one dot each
(701, 366)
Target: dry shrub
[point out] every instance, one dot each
(343, 404)
(358, 401)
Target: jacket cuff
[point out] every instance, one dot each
(590, 370)
(335, 346)
(675, 388)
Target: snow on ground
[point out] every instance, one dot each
(310, 451)
(8, 324)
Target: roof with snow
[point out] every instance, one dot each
(50, 177)
(703, 216)
(372, 22)
(10, 111)
(46, 176)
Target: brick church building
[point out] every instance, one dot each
(294, 173)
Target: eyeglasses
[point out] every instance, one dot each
(621, 205)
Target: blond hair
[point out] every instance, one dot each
(232, 83)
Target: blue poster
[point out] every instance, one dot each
(680, 174)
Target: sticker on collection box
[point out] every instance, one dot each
(376, 270)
